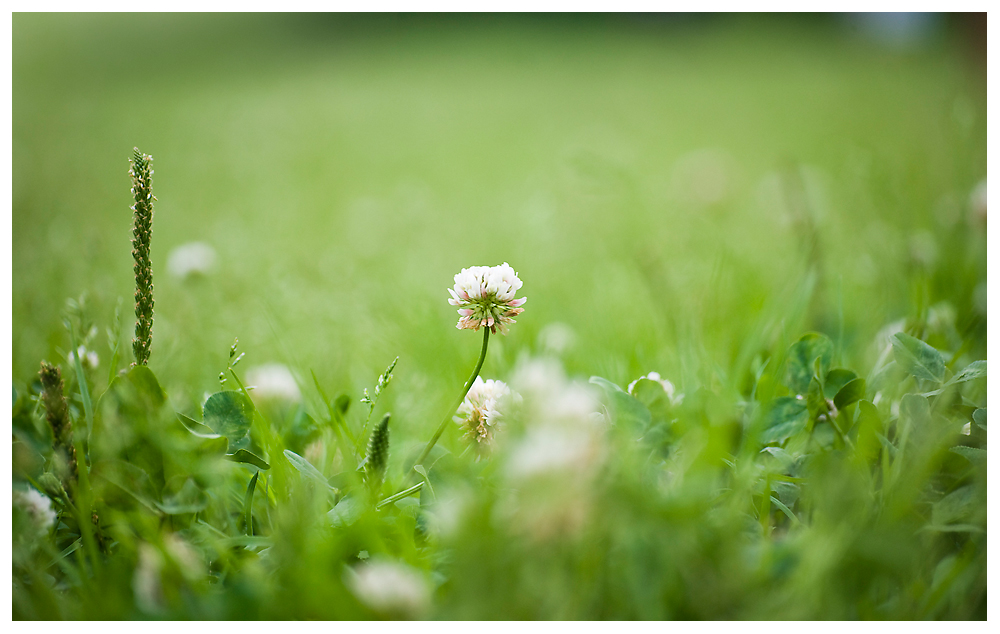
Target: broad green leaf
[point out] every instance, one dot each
(301, 431)
(189, 498)
(244, 456)
(786, 417)
(146, 385)
(851, 392)
(918, 358)
(955, 506)
(129, 478)
(836, 379)
(229, 414)
(786, 492)
(891, 448)
(783, 457)
(980, 417)
(976, 456)
(974, 370)
(649, 392)
(802, 355)
(409, 506)
(815, 400)
(248, 503)
(346, 512)
(625, 409)
(198, 429)
(605, 384)
(868, 426)
(305, 468)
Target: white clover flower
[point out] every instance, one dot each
(88, 358)
(390, 588)
(551, 397)
(146, 585)
(555, 449)
(565, 426)
(485, 297)
(37, 506)
(273, 381)
(481, 413)
(192, 258)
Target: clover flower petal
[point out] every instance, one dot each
(485, 296)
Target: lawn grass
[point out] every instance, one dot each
(687, 195)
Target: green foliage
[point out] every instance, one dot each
(802, 357)
(918, 358)
(229, 414)
(840, 474)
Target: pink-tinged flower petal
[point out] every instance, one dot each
(484, 296)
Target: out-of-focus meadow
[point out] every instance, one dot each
(650, 179)
(685, 195)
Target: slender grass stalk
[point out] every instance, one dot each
(81, 379)
(142, 231)
(461, 397)
(371, 401)
(399, 496)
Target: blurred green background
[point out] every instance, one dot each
(679, 191)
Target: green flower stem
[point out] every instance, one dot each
(461, 397)
(399, 496)
(81, 379)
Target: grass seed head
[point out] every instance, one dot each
(142, 232)
(378, 454)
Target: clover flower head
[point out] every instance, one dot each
(485, 297)
(481, 413)
(88, 358)
(667, 386)
(390, 588)
(274, 381)
(191, 259)
(37, 506)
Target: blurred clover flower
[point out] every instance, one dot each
(552, 467)
(160, 568)
(485, 297)
(389, 588)
(37, 507)
(481, 413)
(88, 358)
(556, 338)
(273, 381)
(189, 259)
